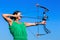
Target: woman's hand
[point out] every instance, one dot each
(43, 22)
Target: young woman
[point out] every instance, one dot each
(18, 29)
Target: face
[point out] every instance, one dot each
(19, 14)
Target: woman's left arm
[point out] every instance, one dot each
(34, 24)
(30, 24)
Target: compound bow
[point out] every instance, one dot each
(45, 17)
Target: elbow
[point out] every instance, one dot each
(3, 15)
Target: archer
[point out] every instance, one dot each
(18, 29)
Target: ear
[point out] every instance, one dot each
(15, 14)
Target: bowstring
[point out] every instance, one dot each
(37, 20)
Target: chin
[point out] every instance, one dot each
(19, 19)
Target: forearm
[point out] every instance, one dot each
(8, 15)
(32, 24)
(36, 23)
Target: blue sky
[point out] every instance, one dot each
(28, 8)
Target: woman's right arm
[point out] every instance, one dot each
(7, 17)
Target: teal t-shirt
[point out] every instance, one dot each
(18, 31)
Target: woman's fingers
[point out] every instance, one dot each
(43, 22)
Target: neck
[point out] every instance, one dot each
(16, 20)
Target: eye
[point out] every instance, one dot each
(21, 16)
